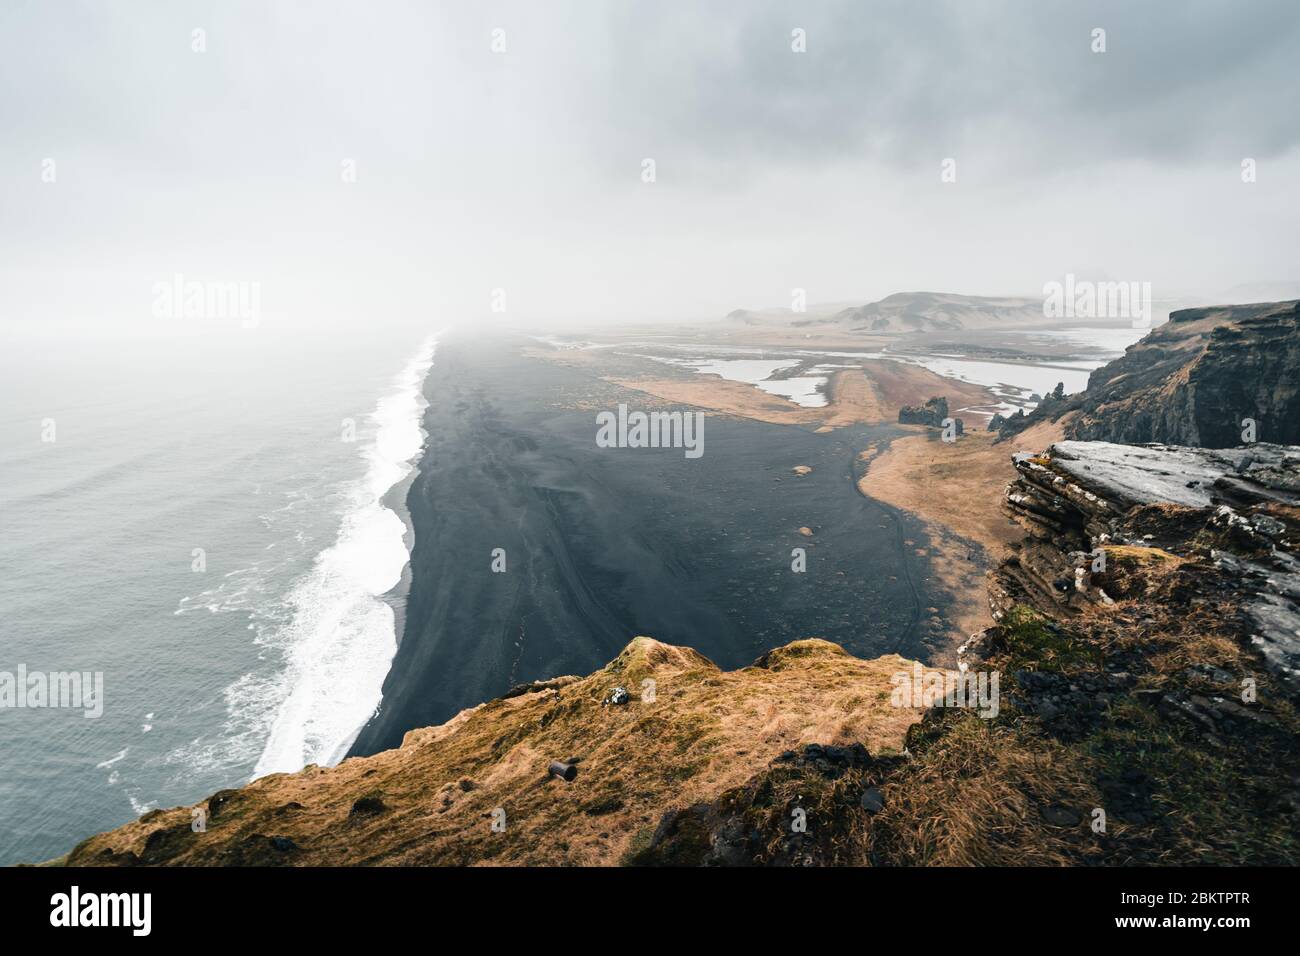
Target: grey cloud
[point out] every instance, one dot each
(907, 82)
(817, 170)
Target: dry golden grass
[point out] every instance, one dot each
(706, 731)
(958, 485)
(975, 798)
(956, 488)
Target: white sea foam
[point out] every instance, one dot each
(339, 638)
(140, 808)
(112, 760)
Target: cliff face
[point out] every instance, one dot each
(476, 789)
(933, 413)
(1193, 380)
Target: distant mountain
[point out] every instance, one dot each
(940, 311)
(906, 312)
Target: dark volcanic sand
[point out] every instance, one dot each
(603, 544)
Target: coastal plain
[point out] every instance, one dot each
(602, 544)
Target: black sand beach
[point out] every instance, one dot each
(603, 544)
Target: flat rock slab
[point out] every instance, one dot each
(1154, 474)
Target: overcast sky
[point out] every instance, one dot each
(523, 170)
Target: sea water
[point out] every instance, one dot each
(212, 520)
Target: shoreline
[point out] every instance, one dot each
(936, 481)
(348, 654)
(888, 470)
(603, 545)
(396, 500)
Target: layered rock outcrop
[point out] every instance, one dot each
(1233, 511)
(1213, 378)
(1199, 379)
(933, 413)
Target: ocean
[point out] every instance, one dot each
(211, 517)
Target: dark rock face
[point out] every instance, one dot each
(807, 809)
(1196, 379)
(932, 413)
(1052, 405)
(938, 312)
(368, 806)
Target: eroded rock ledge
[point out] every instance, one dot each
(1235, 510)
